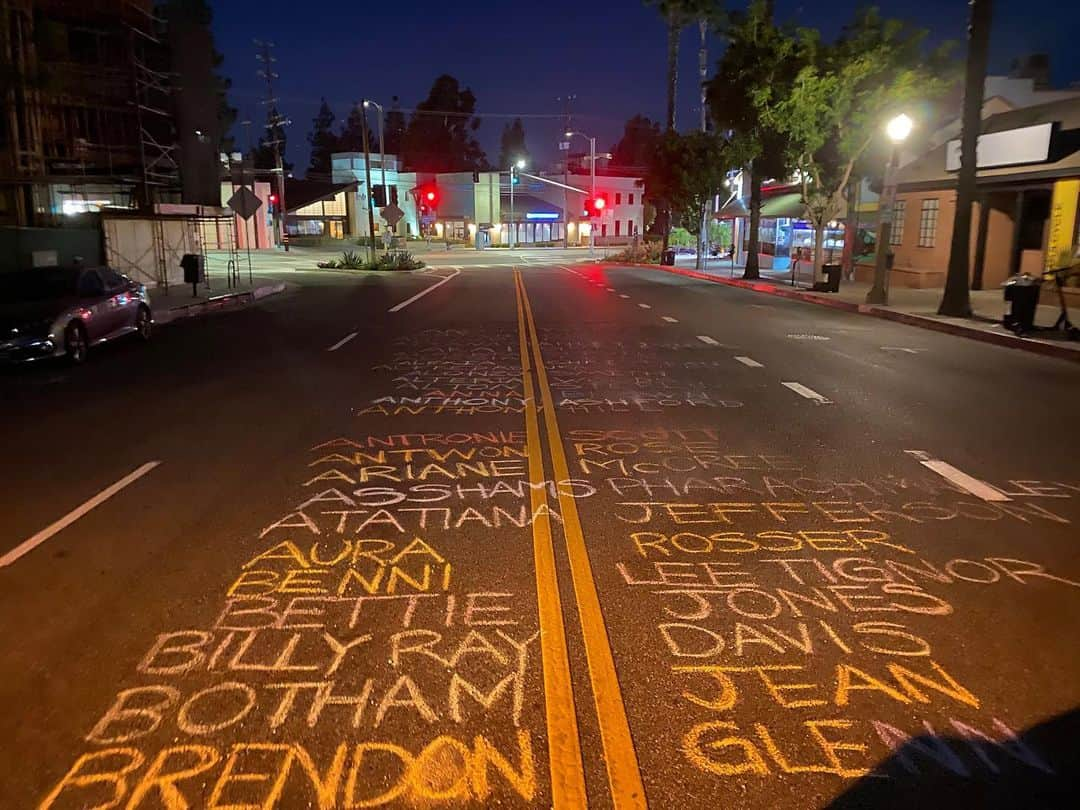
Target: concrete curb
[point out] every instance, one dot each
(218, 303)
(946, 327)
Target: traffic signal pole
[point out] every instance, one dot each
(513, 225)
(592, 187)
(367, 189)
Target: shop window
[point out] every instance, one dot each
(928, 223)
(896, 237)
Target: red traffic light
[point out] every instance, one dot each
(595, 206)
(599, 203)
(273, 198)
(430, 196)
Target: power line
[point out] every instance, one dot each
(554, 116)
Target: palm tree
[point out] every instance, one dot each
(676, 14)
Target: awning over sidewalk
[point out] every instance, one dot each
(788, 205)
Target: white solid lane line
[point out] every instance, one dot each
(979, 489)
(707, 339)
(342, 342)
(424, 292)
(644, 306)
(669, 319)
(809, 393)
(749, 361)
(39, 538)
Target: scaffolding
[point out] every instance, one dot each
(86, 98)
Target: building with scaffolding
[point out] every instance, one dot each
(88, 121)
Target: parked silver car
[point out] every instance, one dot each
(63, 311)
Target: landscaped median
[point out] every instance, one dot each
(975, 330)
(398, 260)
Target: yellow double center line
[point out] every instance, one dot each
(567, 773)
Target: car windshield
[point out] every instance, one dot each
(38, 285)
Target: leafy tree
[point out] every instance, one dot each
(512, 144)
(759, 55)
(685, 173)
(351, 138)
(441, 135)
(394, 128)
(198, 12)
(637, 144)
(263, 154)
(836, 107)
(323, 143)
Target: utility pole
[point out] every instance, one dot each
(382, 146)
(566, 100)
(592, 180)
(956, 300)
(275, 124)
(367, 187)
(703, 69)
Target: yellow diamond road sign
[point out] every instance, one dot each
(244, 203)
(392, 214)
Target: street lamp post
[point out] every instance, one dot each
(518, 164)
(592, 178)
(382, 149)
(897, 129)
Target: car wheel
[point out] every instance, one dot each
(75, 343)
(144, 324)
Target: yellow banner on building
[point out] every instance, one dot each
(1060, 249)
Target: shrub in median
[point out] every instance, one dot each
(353, 260)
(641, 253)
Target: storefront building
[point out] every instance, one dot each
(1024, 220)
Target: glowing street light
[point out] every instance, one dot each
(592, 174)
(897, 129)
(517, 164)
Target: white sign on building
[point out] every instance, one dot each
(1012, 147)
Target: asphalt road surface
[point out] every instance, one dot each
(540, 536)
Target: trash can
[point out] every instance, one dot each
(194, 268)
(832, 277)
(194, 265)
(668, 257)
(1021, 300)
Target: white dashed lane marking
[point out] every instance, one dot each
(669, 319)
(749, 361)
(29, 545)
(623, 295)
(342, 342)
(644, 306)
(979, 489)
(809, 393)
(708, 340)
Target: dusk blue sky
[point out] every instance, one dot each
(518, 57)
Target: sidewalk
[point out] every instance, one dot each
(178, 302)
(914, 307)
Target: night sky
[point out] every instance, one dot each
(519, 57)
